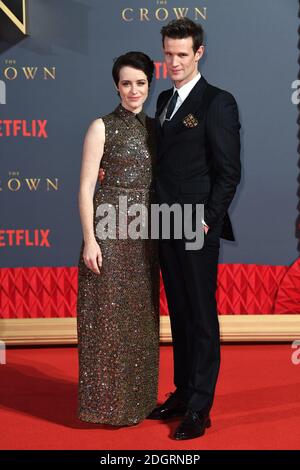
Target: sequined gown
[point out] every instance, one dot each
(118, 310)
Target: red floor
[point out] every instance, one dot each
(257, 404)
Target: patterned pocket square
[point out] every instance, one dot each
(190, 121)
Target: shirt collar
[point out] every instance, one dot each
(185, 90)
(127, 115)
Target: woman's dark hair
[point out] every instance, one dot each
(184, 28)
(137, 60)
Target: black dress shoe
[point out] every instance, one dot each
(193, 425)
(173, 407)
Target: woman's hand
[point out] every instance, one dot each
(101, 175)
(92, 256)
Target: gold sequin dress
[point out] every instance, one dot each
(118, 310)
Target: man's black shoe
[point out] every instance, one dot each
(173, 407)
(193, 425)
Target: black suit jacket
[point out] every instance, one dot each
(198, 156)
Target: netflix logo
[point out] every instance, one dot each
(23, 128)
(160, 70)
(25, 237)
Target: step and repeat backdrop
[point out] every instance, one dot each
(55, 78)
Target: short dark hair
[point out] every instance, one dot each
(137, 60)
(184, 28)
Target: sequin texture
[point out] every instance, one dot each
(118, 311)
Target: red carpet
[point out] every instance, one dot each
(257, 404)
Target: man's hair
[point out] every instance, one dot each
(137, 60)
(184, 28)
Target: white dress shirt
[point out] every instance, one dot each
(183, 93)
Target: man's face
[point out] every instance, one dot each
(181, 60)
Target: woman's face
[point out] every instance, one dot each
(133, 88)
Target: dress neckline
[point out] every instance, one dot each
(129, 115)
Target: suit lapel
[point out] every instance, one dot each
(159, 110)
(164, 102)
(189, 106)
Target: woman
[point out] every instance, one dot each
(118, 281)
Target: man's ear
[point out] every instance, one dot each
(199, 53)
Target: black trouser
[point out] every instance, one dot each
(190, 280)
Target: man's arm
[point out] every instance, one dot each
(224, 141)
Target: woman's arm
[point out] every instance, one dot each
(91, 158)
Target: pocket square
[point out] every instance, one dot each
(190, 121)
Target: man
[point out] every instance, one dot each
(198, 162)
